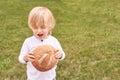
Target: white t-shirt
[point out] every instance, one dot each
(29, 45)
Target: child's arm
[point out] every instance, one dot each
(59, 51)
(23, 52)
(29, 57)
(58, 54)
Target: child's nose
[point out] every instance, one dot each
(39, 30)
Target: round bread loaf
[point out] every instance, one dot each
(44, 58)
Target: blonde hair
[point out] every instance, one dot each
(41, 17)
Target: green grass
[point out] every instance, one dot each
(88, 30)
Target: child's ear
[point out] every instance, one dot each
(50, 32)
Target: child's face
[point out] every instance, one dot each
(40, 32)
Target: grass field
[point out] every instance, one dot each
(88, 30)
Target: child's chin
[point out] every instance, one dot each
(40, 37)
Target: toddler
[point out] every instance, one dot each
(41, 21)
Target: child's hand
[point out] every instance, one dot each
(29, 57)
(58, 54)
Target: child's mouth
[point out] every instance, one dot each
(40, 35)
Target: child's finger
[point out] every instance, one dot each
(56, 50)
(31, 56)
(31, 53)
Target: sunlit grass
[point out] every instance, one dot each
(88, 31)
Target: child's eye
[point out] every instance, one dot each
(35, 27)
(43, 27)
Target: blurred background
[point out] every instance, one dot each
(88, 30)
